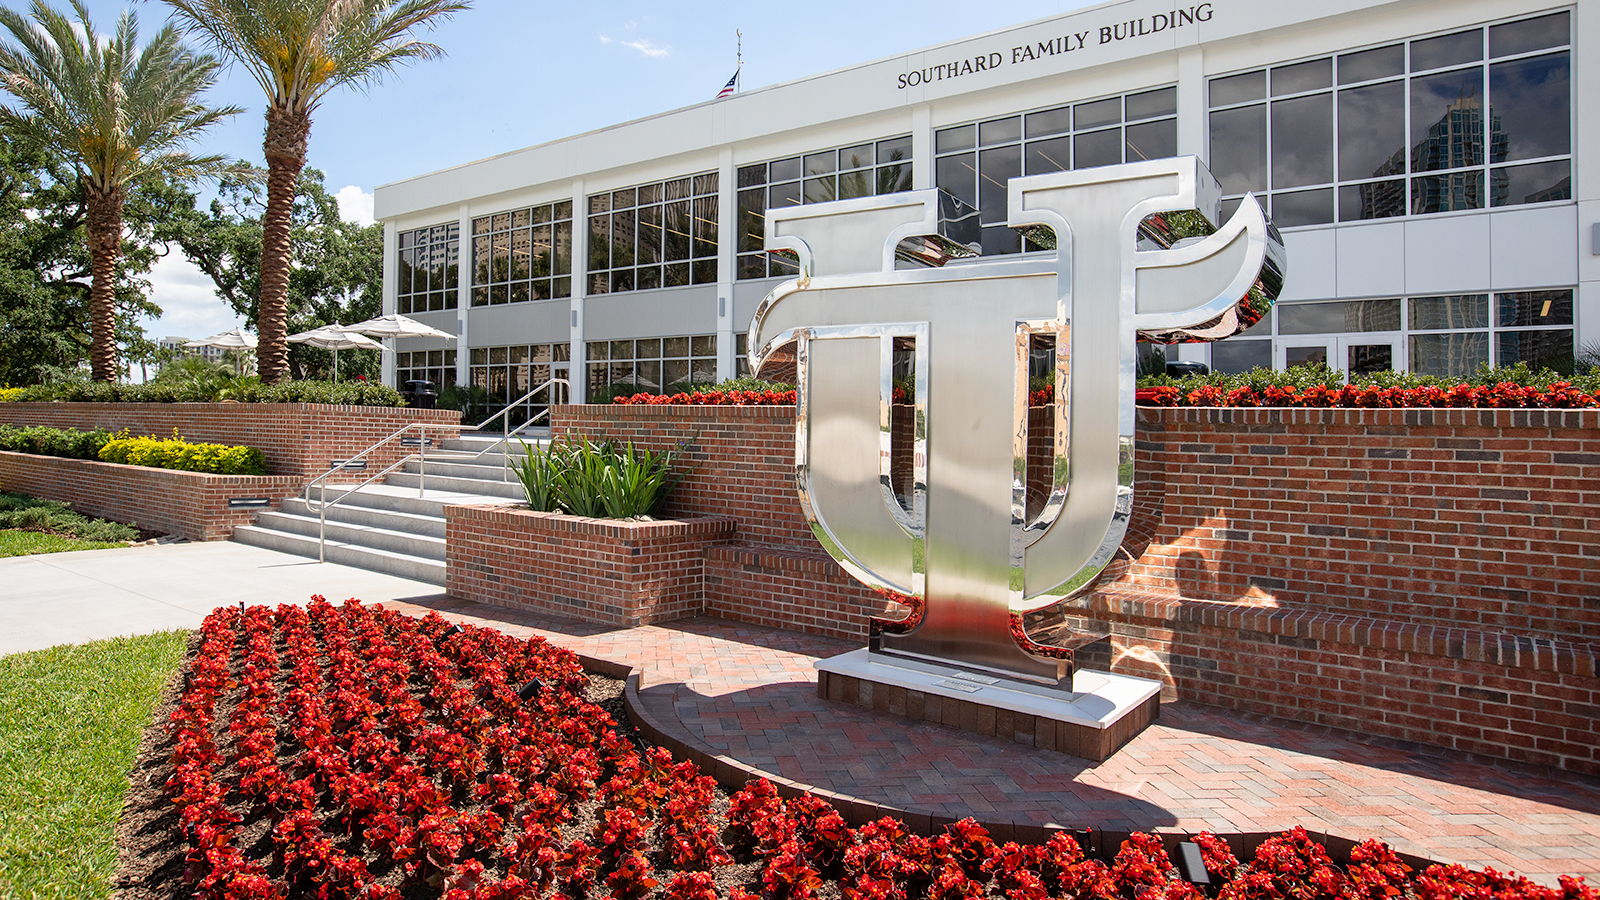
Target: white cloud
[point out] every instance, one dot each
(648, 48)
(355, 205)
(189, 303)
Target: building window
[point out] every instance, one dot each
(1401, 129)
(524, 254)
(654, 235)
(1447, 336)
(430, 262)
(437, 366)
(860, 170)
(509, 373)
(651, 366)
(975, 161)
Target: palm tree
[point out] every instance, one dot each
(117, 115)
(299, 51)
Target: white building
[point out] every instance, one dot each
(1433, 166)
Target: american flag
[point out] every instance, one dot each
(728, 88)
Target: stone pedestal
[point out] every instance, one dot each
(1102, 712)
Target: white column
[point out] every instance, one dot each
(727, 260)
(922, 147)
(391, 278)
(578, 370)
(464, 272)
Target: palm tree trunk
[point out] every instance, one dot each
(285, 150)
(103, 223)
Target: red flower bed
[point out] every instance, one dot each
(352, 752)
(712, 398)
(1504, 395)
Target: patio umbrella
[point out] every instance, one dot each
(335, 337)
(233, 339)
(396, 325)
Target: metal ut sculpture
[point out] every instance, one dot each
(963, 540)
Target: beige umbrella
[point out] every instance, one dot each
(396, 326)
(233, 339)
(335, 337)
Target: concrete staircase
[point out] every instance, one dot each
(386, 526)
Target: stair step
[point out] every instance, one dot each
(429, 524)
(478, 470)
(484, 489)
(408, 543)
(430, 571)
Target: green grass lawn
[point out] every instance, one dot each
(70, 723)
(25, 543)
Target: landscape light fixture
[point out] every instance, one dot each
(1191, 864)
(532, 689)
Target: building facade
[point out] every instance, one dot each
(1432, 166)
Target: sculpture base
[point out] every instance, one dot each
(1102, 712)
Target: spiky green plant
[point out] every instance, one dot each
(299, 51)
(116, 114)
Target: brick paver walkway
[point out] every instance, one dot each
(748, 694)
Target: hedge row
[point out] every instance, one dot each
(338, 393)
(42, 440)
(177, 453)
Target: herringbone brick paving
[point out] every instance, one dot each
(748, 693)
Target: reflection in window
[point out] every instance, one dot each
(668, 365)
(524, 254)
(1392, 139)
(861, 170)
(974, 162)
(1447, 336)
(510, 373)
(430, 262)
(437, 366)
(654, 235)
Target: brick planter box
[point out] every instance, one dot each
(597, 570)
(1425, 575)
(191, 504)
(296, 438)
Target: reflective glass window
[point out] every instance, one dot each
(1239, 149)
(1301, 77)
(1368, 65)
(1076, 136)
(1531, 183)
(1450, 355)
(1337, 317)
(1529, 35)
(1447, 120)
(514, 263)
(1546, 349)
(1241, 356)
(1455, 311)
(673, 221)
(427, 267)
(1303, 208)
(1447, 50)
(858, 170)
(1238, 88)
(1533, 308)
(1302, 145)
(1531, 99)
(1372, 129)
(1445, 193)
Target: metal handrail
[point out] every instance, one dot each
(421, 456)
(505, 457)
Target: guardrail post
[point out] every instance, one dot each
(422, 460)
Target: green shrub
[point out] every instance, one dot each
(177, 453)
(599, 481)
(749, 383)
(11, 393)
(19, 511)
(45, 441)
(246, 389)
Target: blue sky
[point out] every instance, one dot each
(519, 73)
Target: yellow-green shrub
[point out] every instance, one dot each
(8, 394)
(177, 453)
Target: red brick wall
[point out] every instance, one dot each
(1425, 575)
(598, 570)
(191, 504)
(1478, 519)
(296, 438)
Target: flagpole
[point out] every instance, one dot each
(738, 71)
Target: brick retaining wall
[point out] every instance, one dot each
(1425, 575)
(598, 570)
(296, 438)
(191, 504)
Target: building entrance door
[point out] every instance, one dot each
(1358, 354)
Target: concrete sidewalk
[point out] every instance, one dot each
(68, 598)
